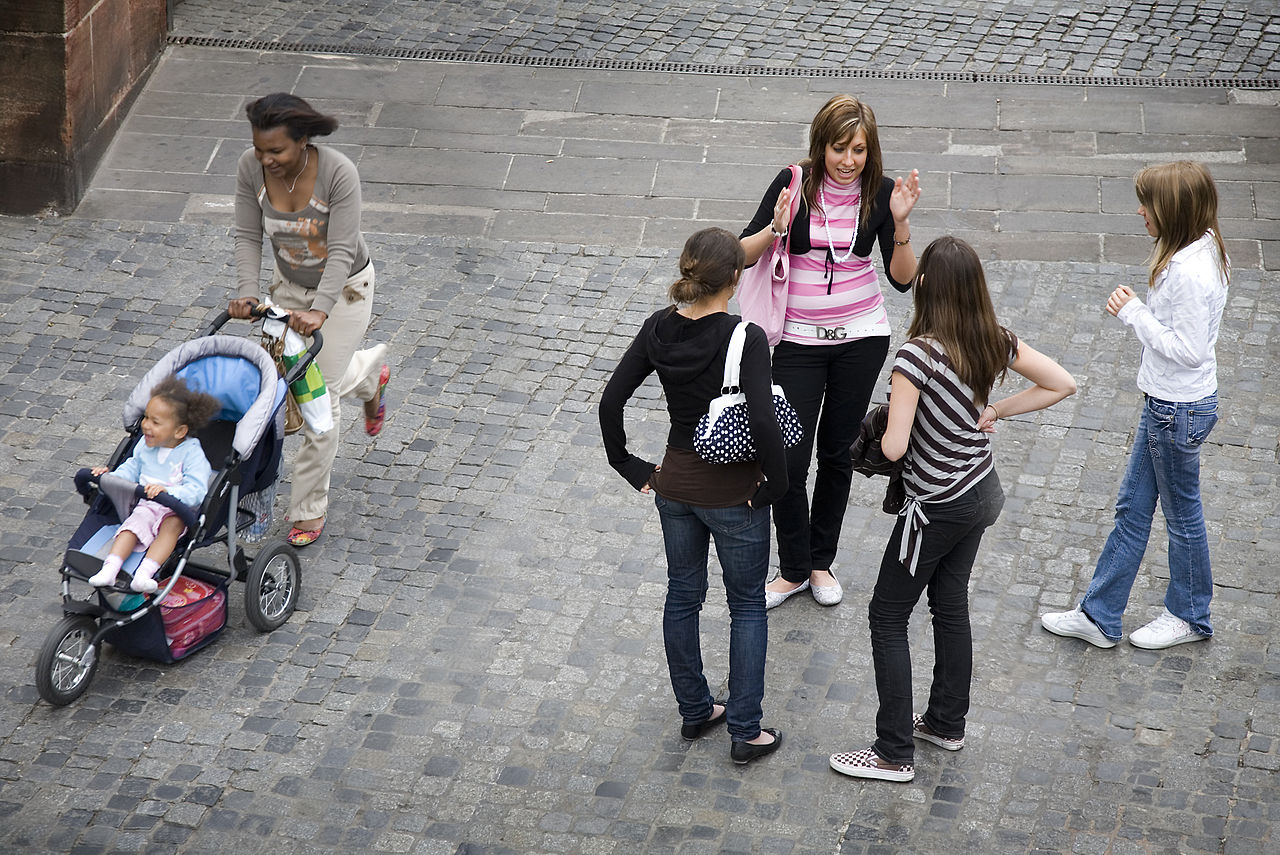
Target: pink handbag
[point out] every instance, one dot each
(762, 288)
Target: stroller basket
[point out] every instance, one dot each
(172, 632)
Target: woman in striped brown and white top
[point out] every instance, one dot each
(940, 420)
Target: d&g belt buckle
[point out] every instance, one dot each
(830, 333)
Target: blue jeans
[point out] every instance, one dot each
(948, 546)
(742, 546)
(1164, 466)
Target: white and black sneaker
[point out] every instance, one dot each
(868, 764)
(920, 730)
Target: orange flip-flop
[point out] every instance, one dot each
(373, 426)
(298, 537)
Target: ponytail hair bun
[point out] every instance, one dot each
(711, 261)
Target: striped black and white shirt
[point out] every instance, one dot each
(947, 455)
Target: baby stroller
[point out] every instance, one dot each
(244, 445)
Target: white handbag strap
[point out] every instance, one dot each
(733, 359)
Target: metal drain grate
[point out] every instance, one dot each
(732, 70)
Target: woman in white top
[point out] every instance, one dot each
(1178, 328)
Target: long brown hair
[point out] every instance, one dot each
(1182, 202)
(953, 307)
(839, 119)
(711, 261)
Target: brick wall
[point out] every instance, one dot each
(73, 68)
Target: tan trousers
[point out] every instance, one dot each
(346, 371)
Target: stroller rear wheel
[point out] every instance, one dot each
(272, 586)
(68, 660)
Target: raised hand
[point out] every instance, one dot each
(1119, 297)
(781, 210)
(906, 192)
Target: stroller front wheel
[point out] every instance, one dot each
(67, 661)
(272, 586)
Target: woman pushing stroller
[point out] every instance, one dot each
(305, 198)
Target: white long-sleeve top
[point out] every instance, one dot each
(1178, 325)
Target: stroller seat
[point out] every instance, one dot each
(248, 430)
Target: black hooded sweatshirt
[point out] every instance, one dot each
(689, 356)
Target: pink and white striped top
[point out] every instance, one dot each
(831, 295)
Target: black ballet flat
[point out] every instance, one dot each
(744, 752)
(693, 731)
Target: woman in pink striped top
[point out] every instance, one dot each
(836, 335)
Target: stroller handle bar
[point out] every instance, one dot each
(261, 312)
(87, 482)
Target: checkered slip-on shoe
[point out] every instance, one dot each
(867, 764)
(920, 730)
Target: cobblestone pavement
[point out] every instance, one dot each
(1086, 37)
(476, 667)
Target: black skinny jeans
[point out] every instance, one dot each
(948, 547)
(830, 387)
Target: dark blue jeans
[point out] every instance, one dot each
(1164, 465)
(742, 546)
(830, 387)
(948, 547)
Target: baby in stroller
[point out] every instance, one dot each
(168, 458)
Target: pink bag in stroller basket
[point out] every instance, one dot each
(192, 612)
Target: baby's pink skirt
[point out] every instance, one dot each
(145, 521)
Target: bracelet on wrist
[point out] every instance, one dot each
(994, 410)
(897, 242)
(777, 233)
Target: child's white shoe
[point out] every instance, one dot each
(104, 578)
(144, 585)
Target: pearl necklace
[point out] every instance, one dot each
(826, 224)
(305, 160)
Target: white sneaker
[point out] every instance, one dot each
(1075, 624)
(828, 595)
(772, 599)
(1165, 631)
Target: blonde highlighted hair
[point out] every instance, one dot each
(1181, 201)
(838, 120)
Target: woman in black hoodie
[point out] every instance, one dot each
(686, 344)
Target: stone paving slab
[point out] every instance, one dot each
(1002, 153)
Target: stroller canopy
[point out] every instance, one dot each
(236, 371)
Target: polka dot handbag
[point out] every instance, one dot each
(724, 433)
